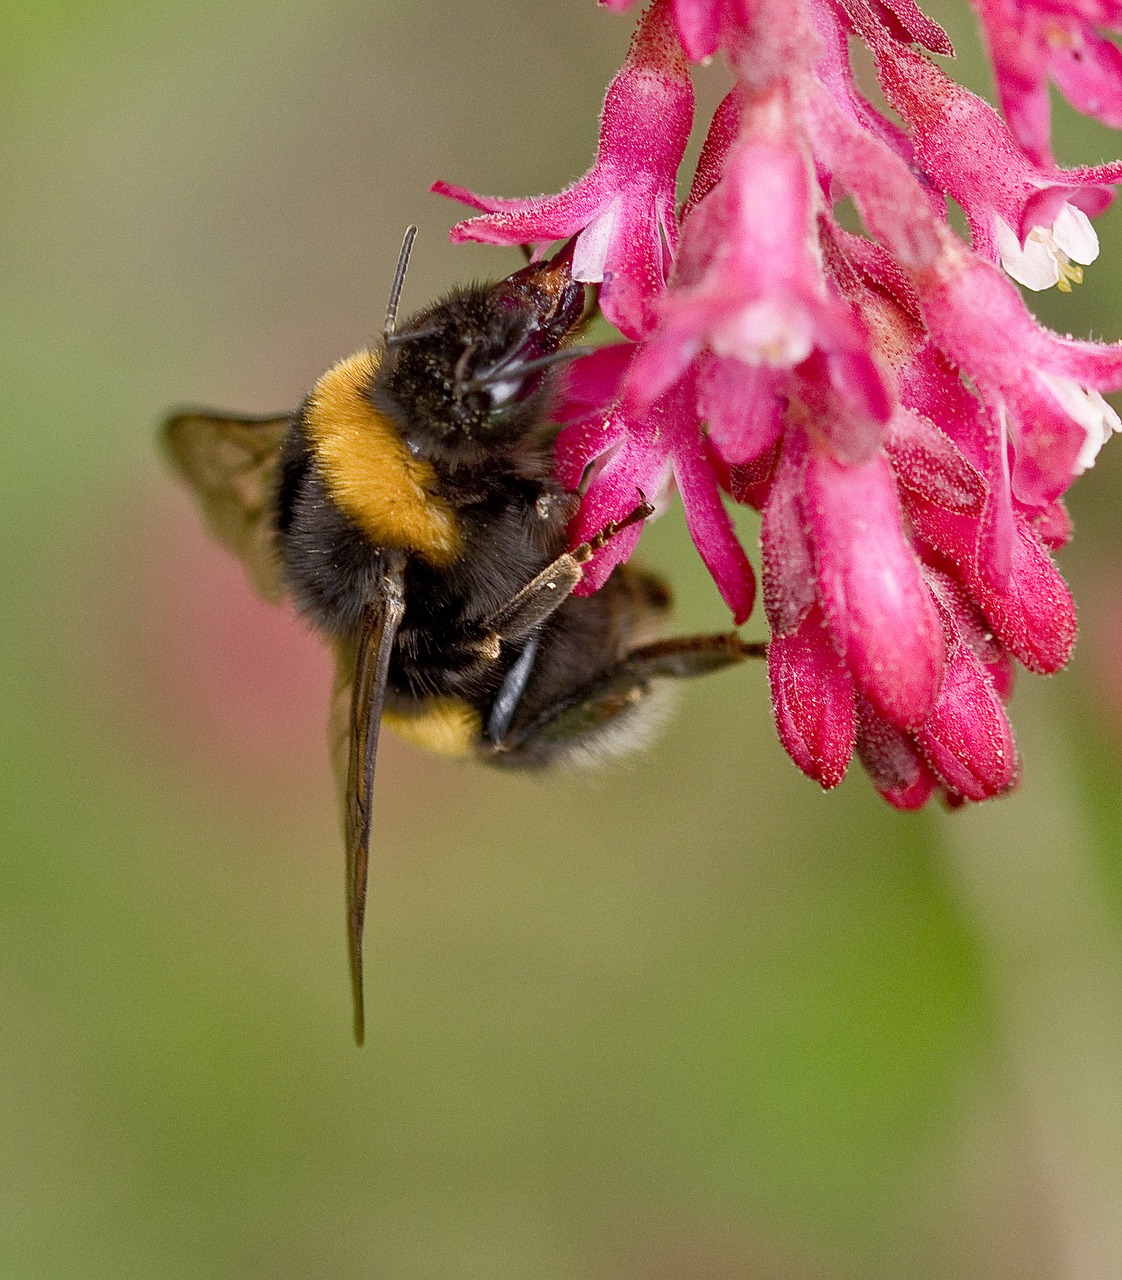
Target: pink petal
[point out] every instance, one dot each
(933, 387)
(1047, 443)
(894, 765)
(613, 494)
(894, 207)
(919, 27)
(712, 530)
(699, 27)
(845, 397)
(835, 71)
(580, 444)
(489, 204)
(876, 602)
(741, 404)
(967, 739)
(1088, 71)
(1019, 52)
(591, 252)
(812, 696)
(589, 385)
(788, 563)
(1002, 672)
(529, 221)
(926, 462)
(859, 382)
(636, 264)
(1053, 525)
(1034, 615)
(723, 131)
(962, 617)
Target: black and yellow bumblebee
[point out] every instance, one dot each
(409, 509)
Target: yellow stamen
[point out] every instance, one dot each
(1070, 273)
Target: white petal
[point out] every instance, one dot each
(591, 249)
(1034, 265)
(1073, 233)
(1089, 410)
(1106, 425)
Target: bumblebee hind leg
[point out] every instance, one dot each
(617, 710)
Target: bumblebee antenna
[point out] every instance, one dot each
(398, 281)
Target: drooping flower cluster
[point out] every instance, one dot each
(886, 400)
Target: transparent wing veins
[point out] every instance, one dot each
(232, 465)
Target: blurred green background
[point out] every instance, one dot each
(689, 1019)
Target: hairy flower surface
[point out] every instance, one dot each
(886, 401)
(622, 210)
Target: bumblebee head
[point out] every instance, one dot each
(466, 377)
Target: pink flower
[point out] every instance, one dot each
(1034, 220)
(1045, 385)
(886, 400)
(967, 740)
(749, 289)
(622, 210)
(644, 453)
(834, 545)
(813, 699)
(891, 642)
(1031, 43)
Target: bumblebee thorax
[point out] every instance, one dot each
(368, 469)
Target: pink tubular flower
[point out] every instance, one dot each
(1047, 385)
(622, 210)
(750, 289)
(645, 453)
(888, 403)
(1031, 43)
(1034, 220)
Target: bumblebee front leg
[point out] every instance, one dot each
(543, 595)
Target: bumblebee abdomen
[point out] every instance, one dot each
(444, 726)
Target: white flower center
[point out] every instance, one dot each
(1049, 254)
(773, 331)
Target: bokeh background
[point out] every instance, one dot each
(689, 1019)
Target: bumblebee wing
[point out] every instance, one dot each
(360, 693)
(232, 464)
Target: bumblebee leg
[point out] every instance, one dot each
(686, 656)
(507, 699)
(542, 596)
(594, 706)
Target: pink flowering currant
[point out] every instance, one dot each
(885, 400)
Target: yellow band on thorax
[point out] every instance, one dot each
(368, 470)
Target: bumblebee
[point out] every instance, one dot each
(408, 507)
